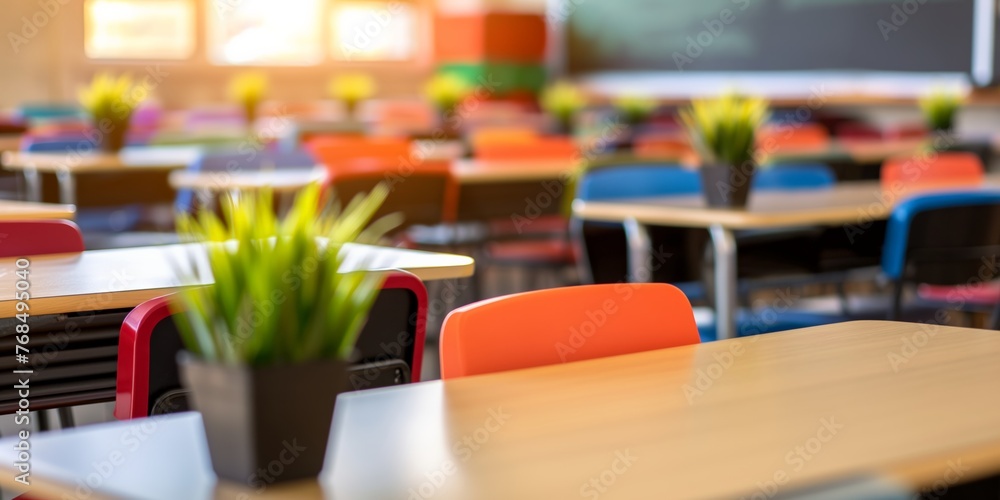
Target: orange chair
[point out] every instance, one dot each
(425, 193)
(663, 146)
(502, 136)
(561, 325)
(801, 137)
(544, 148)
(921, 172)
(334, 150)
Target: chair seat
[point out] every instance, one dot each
(988, 294)
(547, 252)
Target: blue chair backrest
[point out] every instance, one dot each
(793, 177)
(637, 181)
(948, 234)
(249, 161)
(33, 112)
(63, 144)
(246, 161)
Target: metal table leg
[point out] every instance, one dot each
(724, 245)
(639, 266)
(33, 184)
(67, 187)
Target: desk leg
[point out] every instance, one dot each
(33, 184)
(67, 187)
(639, 245)
(724, 245)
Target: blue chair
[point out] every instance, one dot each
(945, 238)
(242, 161)
(49, 112)
(790, 177)
(60, 144)
(603, 246)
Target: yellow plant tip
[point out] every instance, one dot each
(352, 87)
(248, 87)
(446, 90)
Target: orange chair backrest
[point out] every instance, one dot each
(492, 136)
(548, 148)
(424, 192)
(798, 137)
(332, 151)
(943, 170)
(561, 325)
(673, 145)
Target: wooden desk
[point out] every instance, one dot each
(109, 279)
(845, 203)
(10, 142)
(716, 420)
(67, 165)
(27, 210)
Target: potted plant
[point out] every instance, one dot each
(248, 89)
(110, 102)
(446, 91)
(351, 89)
(939, 108)
(267, 345)
(562, 101)
(724, 131)
(634, 110)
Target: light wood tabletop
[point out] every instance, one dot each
(909, 403)
(464, 171)
(284, 180)
(146, 157)
(120, 278)
(843, 203)
(28, 210)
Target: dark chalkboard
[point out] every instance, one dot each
(769, 35)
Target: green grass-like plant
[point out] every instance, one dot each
(939, 108)
(635, 109)
(277, 296)
(724, 129)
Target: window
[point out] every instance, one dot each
(125, 29)
(265, 32)
(254, 32)
(373, 31)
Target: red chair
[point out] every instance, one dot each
(936, 171)
(39, 237)
(561, 325)
(390, 347)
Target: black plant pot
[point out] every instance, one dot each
(265, 425)
(726, 186)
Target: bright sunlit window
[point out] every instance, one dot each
(370, 31)
(265, 32)
(126, 29)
